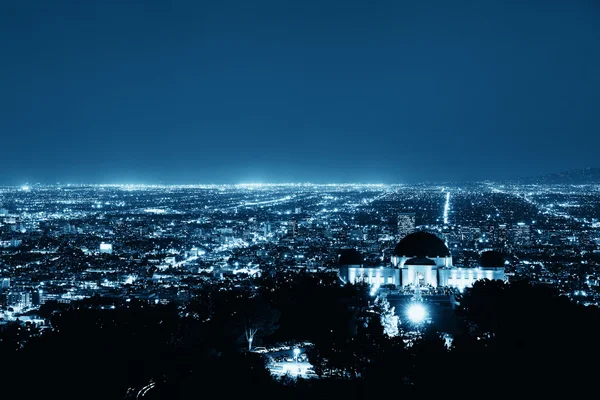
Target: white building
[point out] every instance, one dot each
(352, 270)
(106, 248)
(19, 300)
(419, 258)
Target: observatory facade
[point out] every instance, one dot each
(420, 258)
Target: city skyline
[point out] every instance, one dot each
(272, 279)
(328, 91)
(583, 176)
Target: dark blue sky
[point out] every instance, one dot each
(313, 90)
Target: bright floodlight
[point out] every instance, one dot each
(417, 313)
(296, 352)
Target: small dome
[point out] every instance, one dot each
(350, 257)
(421, 245)
(419, 261)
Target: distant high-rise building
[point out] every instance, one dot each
(69, 229)
(36, 297)
(521, 234)
(4, 283)
(19, 299)
(266, 229)
(293, 227)
(406, 223)
(489, 234)
(585, 239)
(502, 233)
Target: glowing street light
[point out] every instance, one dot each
(417, 313)
(296, 353)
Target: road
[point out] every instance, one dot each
(143, 391)
(447, 208)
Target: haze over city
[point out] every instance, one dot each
(312, 91)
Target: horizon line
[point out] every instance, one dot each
(28, 186)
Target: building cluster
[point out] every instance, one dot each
(161, 243)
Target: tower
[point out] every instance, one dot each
(406, 224)
(293, 227)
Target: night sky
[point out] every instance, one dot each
(313, 91)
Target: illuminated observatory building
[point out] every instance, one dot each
(419, 258)
(350, 262)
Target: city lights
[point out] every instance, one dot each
(417, 313)
(161, 244)
(313, 199)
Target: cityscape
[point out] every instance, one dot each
(316, 199)
(410, 253)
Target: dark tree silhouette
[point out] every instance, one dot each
(529, 330)
(519, 339)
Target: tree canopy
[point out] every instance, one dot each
(516, 338)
